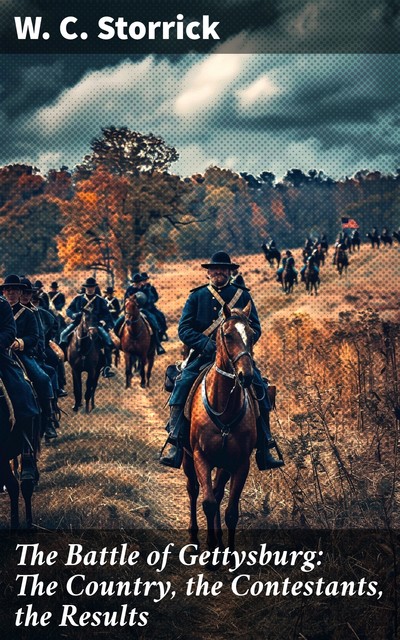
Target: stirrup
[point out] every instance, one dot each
(174, 456)
(265, 459)
(29, 470)
(107, 373)
(49, 430)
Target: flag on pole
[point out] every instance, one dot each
(349, 223)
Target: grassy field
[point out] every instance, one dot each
(334, 359)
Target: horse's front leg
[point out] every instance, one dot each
(128, 369)
(192, 487)
(94, 387)
(238, 479)
(210, 506)
(150, 363)
(221, 479)
(11, 483)
(91, 384)
(77, 382)
(142, 371)
(27, 492)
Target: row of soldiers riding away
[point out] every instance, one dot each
(107, 311)
(200, 318)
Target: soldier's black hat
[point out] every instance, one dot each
(137, 278)
(145, 276)
(28, 285)
(38, 284)
(54, 285)
(90, 282)
(110, 290)
(12, 281)
(221, 259)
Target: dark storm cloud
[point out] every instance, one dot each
(324, 110)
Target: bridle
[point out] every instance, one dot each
(131, 320)
(231, 361)
(226, 428)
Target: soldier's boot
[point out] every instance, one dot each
(28, 467)
(118, 324)
(265, 442)
(107, 373)
(174, 445)
(61, 393)
(49, 421)
(65, 336)
(159, 348)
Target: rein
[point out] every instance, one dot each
(226, 427)
(131, 320)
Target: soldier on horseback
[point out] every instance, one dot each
(288, 263)
(113, 303)
(200, 319)
(25, 348)
(44, 299)
(54, 358)
(312, 263)
(146, 306)
(104, 321)
(56, 297)
(18, 391)
(152, 298)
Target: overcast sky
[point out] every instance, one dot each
(250, 112)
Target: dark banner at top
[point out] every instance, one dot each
(177, 26)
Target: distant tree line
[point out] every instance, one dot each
(123, 206)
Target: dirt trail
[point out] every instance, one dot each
(112, 453)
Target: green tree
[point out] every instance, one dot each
(125, 152)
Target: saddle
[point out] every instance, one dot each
(115, 340)
(196, 383)
(147, 323)
(252, 395)
(57, 350)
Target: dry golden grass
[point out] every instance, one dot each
(102, 471)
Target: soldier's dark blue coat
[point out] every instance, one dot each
(199, 312)
(57, 299)
(27, 328)
(99, 306)
(28, 331)
(114, 307)
(18, 388)
(8, 329)
(202, 308)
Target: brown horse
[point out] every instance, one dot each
(136, 343)
(17, 436)
(311, 276)
(84, 354)
(342, 260)
(222, 428)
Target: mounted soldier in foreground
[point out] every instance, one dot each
(200, 319)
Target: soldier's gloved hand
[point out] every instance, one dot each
(210, 348)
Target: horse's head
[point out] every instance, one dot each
(131, 308)
(88, 323)
(235, 343)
